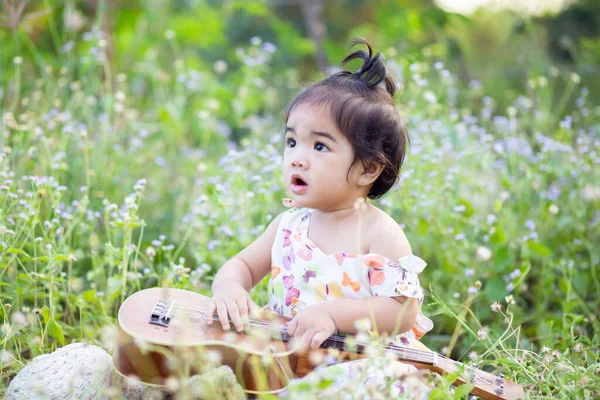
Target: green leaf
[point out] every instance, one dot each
(469, 210)
(503, 258)
(29, 259)
(438, 394)
(61, 258)
(495, 288)
(113, 286)
(422, 226)
(16, 251)
(325, 383)
(89, 296)
(45, 311)
(497, 205)
(462, 391)
(498, 237)
(538, 250)
(56, 332)
(304, 386)
(451, 378)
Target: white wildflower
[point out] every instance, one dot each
(483, 253)
(220, 66)
(430, 97)
(483, 333)
(169, 34)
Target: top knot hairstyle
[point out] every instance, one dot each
(363, 110)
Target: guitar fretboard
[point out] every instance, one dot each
(404, 353)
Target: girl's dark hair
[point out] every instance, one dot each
(364, 112)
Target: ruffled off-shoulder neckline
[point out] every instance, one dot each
(409, 262)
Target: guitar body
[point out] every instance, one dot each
(163, 332)
(187, 331)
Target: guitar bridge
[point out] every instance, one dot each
(162, 313)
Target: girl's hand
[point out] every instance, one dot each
(312, 326)
(234, 301)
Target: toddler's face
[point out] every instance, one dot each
(316, 161)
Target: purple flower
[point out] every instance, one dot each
(515, 273)
(289, 259)
(308, 274)
(404, 340)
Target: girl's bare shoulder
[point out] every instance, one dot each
(384, 235)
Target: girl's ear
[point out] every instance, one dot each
(369, 173)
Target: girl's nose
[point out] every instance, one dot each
(299, 163)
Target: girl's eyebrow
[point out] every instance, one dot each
(314, 133)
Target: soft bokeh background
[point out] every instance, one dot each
(142, 141)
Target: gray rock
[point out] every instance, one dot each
(82, 371)
(76, 371)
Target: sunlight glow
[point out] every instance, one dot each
(529, 7)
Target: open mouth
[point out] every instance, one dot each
(298, 181)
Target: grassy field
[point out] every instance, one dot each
(157, 169)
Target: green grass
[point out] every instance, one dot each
(114, 179)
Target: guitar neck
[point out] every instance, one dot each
(403, 353)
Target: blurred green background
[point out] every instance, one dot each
(141, 145)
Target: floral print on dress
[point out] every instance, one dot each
(288, 258)
(340, 257)
(302, 274)
(328, 291)
(286, 237)
(305, 252)
(348, 282)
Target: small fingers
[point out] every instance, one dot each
(234, 313)
(300, 337)
(307, 338)
(210, 312)
(222, 312)
(243, 308)
(317, 339)
(291, 326)
(253, 308)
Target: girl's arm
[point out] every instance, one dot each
(388, 314)
(237, 276)
(314, 324)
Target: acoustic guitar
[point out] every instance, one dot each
(174, 322)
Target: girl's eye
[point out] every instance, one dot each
(321, 147)
(291, 143)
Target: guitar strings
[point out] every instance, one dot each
(399, 349)
(418, 355)
(427, 355)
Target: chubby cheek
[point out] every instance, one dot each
(285, 166)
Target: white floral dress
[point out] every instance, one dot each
(302, 274)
